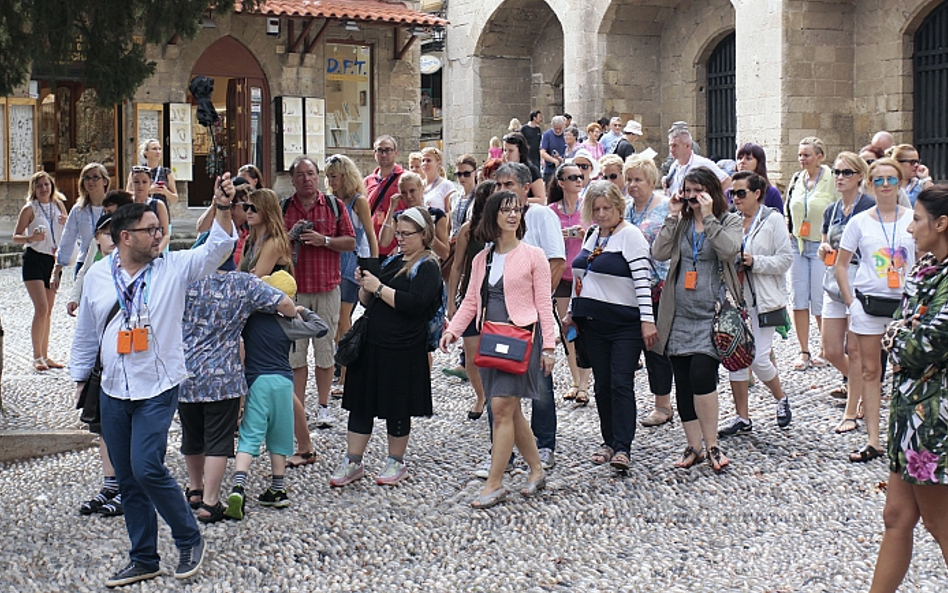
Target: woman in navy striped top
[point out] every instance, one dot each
(612, 310)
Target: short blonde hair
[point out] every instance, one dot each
(815, 142)
(410, 177)
(610, 160)
(414, 156)
(602, 189)
(885, 161)
(856, 162)
(645, 165)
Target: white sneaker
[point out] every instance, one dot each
(483, 470)
(324, 418)
(547, 459)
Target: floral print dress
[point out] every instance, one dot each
(918, 412)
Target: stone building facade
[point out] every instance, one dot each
(836, 69)
(285, 51)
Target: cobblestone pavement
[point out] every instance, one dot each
(790, 515)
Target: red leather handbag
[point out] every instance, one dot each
(504, 347)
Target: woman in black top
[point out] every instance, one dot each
(391, 378)
(516, 151)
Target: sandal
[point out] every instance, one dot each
(860, 414)
(571, 394)
(841, 392)
(486, 501)
(818, 360)
(697, 457)
(658, 417)
(337, 391)
(717, 460)
(53, 364)
(847, 425)
(802, 364)
(214, 513)
(194, 504)
(603, 455)
(39, 364)
(582, 398)
(620, 461)
(305, 459)
(113, 508)
(867, 453)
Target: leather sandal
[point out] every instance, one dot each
(603, 455)
(658, 416)
(694, 455)
(847, 425)
(39, 364)
(620, 461)
(802, 364)
(306, 459)
(214, 513)
(717, 460)
(867, 453)
(571, 394)
(53, 364)
(582, 398)
(533, 487)
(486, 501)
(194, 504)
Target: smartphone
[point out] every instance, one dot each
(571, 333)
(371, 265)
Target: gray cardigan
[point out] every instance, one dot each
(723, 235)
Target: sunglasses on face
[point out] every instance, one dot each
(847, 173)
(248, 207)
(880, 181)
(583, 166)
(737, 193)
(464, 174)
(914, 162)
(692, 201)
(574, 177)
(611, 176)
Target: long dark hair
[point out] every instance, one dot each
(554, 193)
(487, 229)
(712, 185)
(483, 191)
(756, 151)
(935, 200)
(520, 141)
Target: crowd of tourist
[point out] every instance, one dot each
(561, 237)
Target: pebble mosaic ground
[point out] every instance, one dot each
(791, 514)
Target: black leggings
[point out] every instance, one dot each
(696, 373)
(399, 427)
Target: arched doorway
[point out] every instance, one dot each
(930, 60)
(518, 58)
(242, 98)
(722, 100)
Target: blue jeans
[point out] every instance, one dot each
(543, 419)
(136, 433)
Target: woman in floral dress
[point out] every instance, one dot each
(917, 344)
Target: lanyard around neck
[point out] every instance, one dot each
(807, 192)
(637, 221)
(49, 220)
(697, 240)
(128, 294)
(752, 226)
(895, 224)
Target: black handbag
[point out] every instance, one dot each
(777, 318)
(878, 306)
(88, 400)
(352, 344)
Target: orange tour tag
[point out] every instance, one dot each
(124, 345)
(805, 229)
(691, 280)
(140, 339)
(922, 310)
(829, 258)
(895, 281)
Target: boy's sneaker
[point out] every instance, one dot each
(783, 412)
(394, 472)
(547, 458)
(277, 499)
(132, 573)
(324, 418)
(235, 503)
(190, 560)
(347, 473)
(736, 425)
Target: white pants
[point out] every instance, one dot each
(763, 342)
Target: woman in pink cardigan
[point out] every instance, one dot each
(516, 279)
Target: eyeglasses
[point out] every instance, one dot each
(248, 207)
(583, 166)
(611, 176)
(508, 210)
(847, 173)
(914, 162)
(574, 178)
(464, 174)
(405, 235)
(151, 230)
(93, 178)
(880, 181)
(384, 150)
(737, 193)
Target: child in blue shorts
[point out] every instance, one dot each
(268, 410)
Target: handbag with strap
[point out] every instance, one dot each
(775, 318)
(88, 400)
(731, 331)
(503, 346)
(352, 344)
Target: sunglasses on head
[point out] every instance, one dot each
(914, 162)
(248, 207)
(847, 173)
(464, 174)
(611, 176)
(880, 181)
(141, 169)
(333, 159)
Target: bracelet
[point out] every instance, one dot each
(547, 354)
(222, 207)
(378, 291)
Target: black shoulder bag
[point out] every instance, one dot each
(89, 398)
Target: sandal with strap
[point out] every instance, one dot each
(571, 394)
(194, 504)
(717, 460)
(695, 455)
(53, 364)
(214, 513)
(867, 453)
(486, 501)
(802, 364)
(39, 364)
(113, 508)
(306, 459)
(658, 417)
(582, 398)
(603, 455)
(620, 461)
(847, 425)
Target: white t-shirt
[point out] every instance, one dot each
(544, 231)
(676, 174)
(876, 251)
(497, 265)
(436, 194)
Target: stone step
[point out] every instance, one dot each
(16, 445)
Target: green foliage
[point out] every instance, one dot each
(57, 36)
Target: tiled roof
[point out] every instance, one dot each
(357, 10)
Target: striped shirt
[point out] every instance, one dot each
(617, 284)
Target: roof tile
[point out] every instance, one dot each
(357, 10)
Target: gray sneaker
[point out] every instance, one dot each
(547, 458)
(483, 470)
(783, 412)
(735, 425)
(132, 573)
(190, 560)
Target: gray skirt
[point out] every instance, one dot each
(498, 383)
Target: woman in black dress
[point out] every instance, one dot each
(391, 379)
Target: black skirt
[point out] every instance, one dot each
(389, 383)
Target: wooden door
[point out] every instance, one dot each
(238, 123)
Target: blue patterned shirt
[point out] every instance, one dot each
(216, 309)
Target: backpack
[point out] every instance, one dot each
(436, 323)
(333, 205)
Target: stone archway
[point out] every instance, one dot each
(517, 60)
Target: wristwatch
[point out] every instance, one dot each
(326, 238)
(378, 291)
(223, 207)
